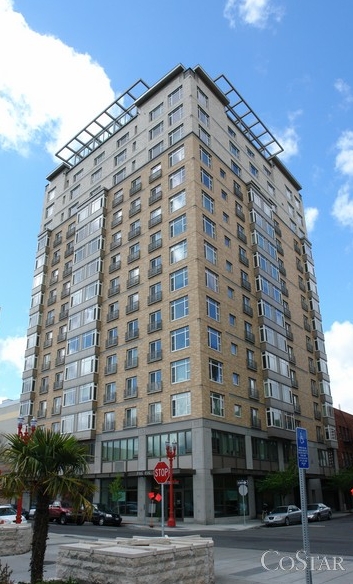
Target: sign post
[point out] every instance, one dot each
(243, 491)
(161, 475)
(303, 464)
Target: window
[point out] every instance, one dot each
(177, 178)
(181, 404)
(177, 226)
(202, 97)
(155, 321)
(109, 421)
(230, 292)
(110, 392)
(233, 349)
(206, 179)
(130, 419)
(225, 217)
(179, 308)
(213, 308)
(122, 140)
(156, 112)
(207, 202)
(212, 280)
(214, 339)
(231, 319)
(229, 266)
(205, 157)
(176, 115)
(178, 252)
(210, 252)
(119, 176)
(235, 168)
(177, 201)
(154, 351)
(203, 117)
(204, 136)
(215, 370)
(177, 156)
(175, 135)
(235, 378)
(179, 279)
(209, 227)
(233, 149)
(121, 157)
(180, 370)
(130, 387)
(237, 410)
(131, 358)
(217, 404)
(227, 241)
(154, 381)
(179, 339)
(156, 131)
(155, 150)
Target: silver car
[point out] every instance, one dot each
(283, 515)
(318, 511)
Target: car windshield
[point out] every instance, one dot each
(280, 510)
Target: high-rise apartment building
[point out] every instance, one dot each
(175, 298)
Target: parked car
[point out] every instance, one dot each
(31, 512)
(102, 515)
(318, 511)
(62, 512)
(8, 514)
(283, 515)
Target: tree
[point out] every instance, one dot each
(116, 488)
(282, 481)
(48, 466)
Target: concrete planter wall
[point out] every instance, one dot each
(189, 560)
(15, 539)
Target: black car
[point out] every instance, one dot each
(102, 515)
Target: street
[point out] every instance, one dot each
(326, 537)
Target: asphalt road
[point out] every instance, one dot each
(327, 537)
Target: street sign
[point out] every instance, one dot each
(302, 448)
(161, 472)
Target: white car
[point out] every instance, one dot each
(8, 514)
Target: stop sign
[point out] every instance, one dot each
(161, 472)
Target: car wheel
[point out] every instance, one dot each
(318, 517)
(101, 521)
(329, 515)
(63, 519)
(80, 521)
(286, 521)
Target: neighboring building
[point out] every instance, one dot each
(174, 297)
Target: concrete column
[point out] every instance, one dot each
(203, 479)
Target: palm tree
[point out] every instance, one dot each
(48, 466)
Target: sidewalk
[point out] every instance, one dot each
(232, 566)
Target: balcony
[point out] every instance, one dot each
(113, 290)
(155, 418)
(111, 369)
(251, 364)
(113, 315)
(118, 200)
(115, 244)
(133, 334)
(134, 210)
(155, 220)
(154, 356)
(132, 257)
(131, 363)
(133, 281)
(154, 326)
(71, 231)
(117, 221)
(132, 307)
(135, 188)
(249, 336)
(67, 271)
(59, 361)
(155, 271)
(154, 175)
(155, 197)
(130, 423)
(242, 236)
(108, 426)
(58, 385)
(156, 244)
(239, 213)
(152, 298)
(130, 392)
(114, 266)
(134, 233)
(255, 423)
(246, 284)
(254, 393)
(111, 342)
(154, 387)
(63, 314)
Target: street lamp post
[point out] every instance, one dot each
(25, 435)
(171, 454)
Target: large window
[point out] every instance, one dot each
(213, 308)
(178, 252)
(177, 226)
(209, 227)
(215, 370)
(177, 201)
(212, 280)
(179, 339)
(214, 339)
(180, 370)
(181, 404)
(217, 404)
(179, 279)
(179, 308)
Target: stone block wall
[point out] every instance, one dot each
(15, 539)
(188, 560)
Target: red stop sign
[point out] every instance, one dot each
(161, 472)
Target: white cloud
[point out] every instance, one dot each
(44, 86)
(289, 140)
(344, 158)
(311, 215)
(339, 342)
(342, 208)
(256, 13)
(12, 350)
(344, 89)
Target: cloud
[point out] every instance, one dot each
(311, 215)
(339, 342)
(289, 140)
(255, 13)
(44, 87)
(342, 208)
(344, 158)
(12, 350)
(344, 89)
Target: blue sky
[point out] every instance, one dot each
(65, 61)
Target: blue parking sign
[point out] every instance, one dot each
(302, 448)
